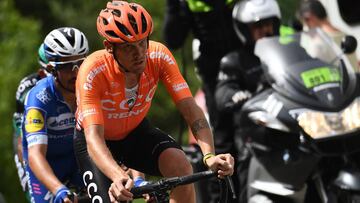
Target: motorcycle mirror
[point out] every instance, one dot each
(348, 44)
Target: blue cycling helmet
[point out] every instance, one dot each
(65, 45)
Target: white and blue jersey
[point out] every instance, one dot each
(49, 120)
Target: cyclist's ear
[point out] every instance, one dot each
(108, 46)
(49, 68)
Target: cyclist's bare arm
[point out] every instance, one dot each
(41, 168)
(103, 159)
(195, 118)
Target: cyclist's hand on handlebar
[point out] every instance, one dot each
(67, 200)
(71, 198)
(62, 195)
(222, 163)
(138, 182)
(120, 189)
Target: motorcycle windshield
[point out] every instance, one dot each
(308, 67)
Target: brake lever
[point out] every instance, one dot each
(230, 183)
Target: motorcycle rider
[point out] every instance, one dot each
(210, 23)
(240, 71)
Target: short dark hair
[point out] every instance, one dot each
(313, 6)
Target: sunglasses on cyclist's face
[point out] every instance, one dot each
(73, 66)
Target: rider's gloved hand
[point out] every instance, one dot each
(139, 181)
(61, 194)
(240, 97)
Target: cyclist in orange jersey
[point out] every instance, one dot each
(115, 87)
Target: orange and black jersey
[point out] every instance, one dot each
(100, 90)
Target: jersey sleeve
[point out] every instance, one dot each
(170, 75)
(88, 92)
(35, 115)
(24, 87)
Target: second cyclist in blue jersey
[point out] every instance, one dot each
(49, 120)
(24, 87)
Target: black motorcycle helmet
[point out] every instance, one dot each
(254, 11)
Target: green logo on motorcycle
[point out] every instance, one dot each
(319, 76)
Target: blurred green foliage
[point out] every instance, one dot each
(25, 23)
(19, 40)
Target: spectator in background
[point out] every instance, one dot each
(240, 72)
(210, 23)
(313, 15)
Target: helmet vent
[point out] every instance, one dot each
(71, 37)
(112, 34)
(82, 41)
(83, 50)
(48, 51)
(133, 23)
(144, 23)
(133, 7)
(63, 53)
(116, 12)
(105, 22)
(122, 28)
(59, 43)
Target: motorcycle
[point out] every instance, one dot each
(303, 132)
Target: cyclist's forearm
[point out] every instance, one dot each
(196, 119)
(100, 154)
(42, 170)
(206, 144)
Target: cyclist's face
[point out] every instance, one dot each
(67, 73)
(132, 55)
(261, 29)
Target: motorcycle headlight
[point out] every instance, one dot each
(326, 124)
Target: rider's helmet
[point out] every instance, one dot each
(123, 22)
(65, 45)
(41, 57)
(254, 11)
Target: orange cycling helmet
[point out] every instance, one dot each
(124, 22)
